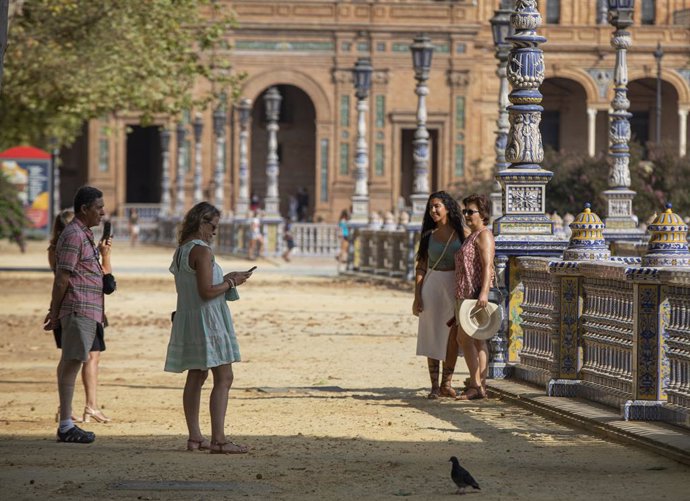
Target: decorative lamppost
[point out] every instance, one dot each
(198, 129)
(360, 200)
(620, 220)
(181, 134)
(523, 229)
(165, 175)
(501, 29)
(244, 109)
(422, 52)
(55, 165)
(272, 100)
(219, 171)
(658, 54)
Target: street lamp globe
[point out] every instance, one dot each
(244, 108)
(501, 28)
(272, 99)
(165, 138)
(422, 52)
(658, 53)
(621, 12)
(219, 119)
(198, 126)
(181, 133)
(362, 77)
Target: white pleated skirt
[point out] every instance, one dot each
(438, 298)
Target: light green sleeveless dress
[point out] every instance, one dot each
(202, 333)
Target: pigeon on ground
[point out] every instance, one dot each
(461, 476)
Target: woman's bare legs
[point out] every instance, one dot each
(89, 376)
(191, 401)
(483, 353)
(449, 364)
(434, 366)
(222, 381)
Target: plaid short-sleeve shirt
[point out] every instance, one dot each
(76, 252)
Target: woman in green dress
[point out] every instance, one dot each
(203, 336)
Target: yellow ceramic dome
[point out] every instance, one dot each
(668, 241)
(587, 238)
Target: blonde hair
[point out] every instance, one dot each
(203, 212)
(61, 221)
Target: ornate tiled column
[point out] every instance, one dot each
(620, 220)
(181, 134)
(668, 247)
(244, 109)
(422, 52)
(586, 244)
(165, 174)
(219, 170)
(272, 99)
(524, 229)
(198, 129)
(360, 199)
(501, 29)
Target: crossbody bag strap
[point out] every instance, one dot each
(433, 268)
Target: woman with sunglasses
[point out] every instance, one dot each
(434, 301)
(474, 273)
(202, 335)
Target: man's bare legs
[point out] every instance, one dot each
(66, 377)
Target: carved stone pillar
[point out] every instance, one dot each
(181, 134)
(198, 129)
(165, 174)
(591, 131)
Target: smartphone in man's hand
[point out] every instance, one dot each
(107, 226)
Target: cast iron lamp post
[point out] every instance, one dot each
(55, 166)
(501, 29)
(422, 52)
(360, 200)
(181, 134)
(620, 220)
(198, 129)
(658, 54)
(219, 171)
(244, 109)
(165, 174)
(272, 100)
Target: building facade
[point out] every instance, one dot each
(307, 50)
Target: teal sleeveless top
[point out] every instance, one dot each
(446, 263)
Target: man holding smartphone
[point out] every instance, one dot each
(77, 302)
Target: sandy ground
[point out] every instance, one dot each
(329, 396)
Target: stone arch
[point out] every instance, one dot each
(258, 83)
(577, 75)
(669, 76)
(564, 119)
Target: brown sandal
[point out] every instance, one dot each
(198, 445)
(472, 393)
(447, 391)
(228, 448)
(434, 393)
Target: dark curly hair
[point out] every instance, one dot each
(203, 212)
(483, 205)
(428, 224)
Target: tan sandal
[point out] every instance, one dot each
(472, 393)
(198, 445)
(448, 392)
(228, 448)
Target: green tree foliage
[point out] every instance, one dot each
(12, 218)
(72, 60)
(579, 178)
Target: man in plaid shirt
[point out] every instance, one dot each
(77, 302)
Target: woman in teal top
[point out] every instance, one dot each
(434, 293)
(202, 336)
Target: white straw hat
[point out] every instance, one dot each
(476, 322)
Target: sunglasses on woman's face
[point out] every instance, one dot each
(469, 212)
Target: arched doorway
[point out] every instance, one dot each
(564, 120)
(296, 149)
(642, 96)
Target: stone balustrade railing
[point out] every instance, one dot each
(233, 237)
(537, 316)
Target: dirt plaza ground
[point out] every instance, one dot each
(330, 397)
